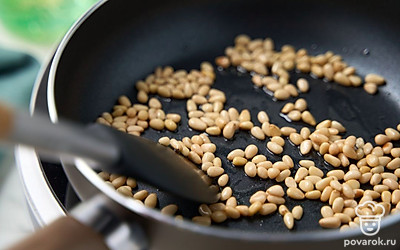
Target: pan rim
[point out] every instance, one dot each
(228, 233)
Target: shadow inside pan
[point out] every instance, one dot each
(120, 45)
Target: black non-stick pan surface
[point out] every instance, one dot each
(124, 41)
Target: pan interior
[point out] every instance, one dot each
(124, 42)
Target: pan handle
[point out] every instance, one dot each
(91, 225)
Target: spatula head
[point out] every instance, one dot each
(157, 165)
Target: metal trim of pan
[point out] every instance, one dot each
(43, 204)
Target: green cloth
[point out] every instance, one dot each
(18, 72)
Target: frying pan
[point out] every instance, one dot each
(119, 42)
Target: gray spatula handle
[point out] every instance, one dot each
(63, 138)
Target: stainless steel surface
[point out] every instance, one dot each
(62, 138)
(43, 204)
(97, 213)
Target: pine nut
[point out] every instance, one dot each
(125, 190)
(294, 115)
(169, 124)
(297, 212)
(308, 118)
(202, 220)
(290, 182)
(267, 208)
(232, 212)
(305, 147)
(306, 163)
(288, 160)
(374, 78)
(262, 117)
(287, 108)
(239, 161)
(326, 193)
(336, 185)
(395, 197)
(306, 185)
(370, 88)
(197, 124)
(174, 117)
(281, 94)
(300, 104)
(131, 182)
(226, 193)
(320, 185)
(217, 207)
(313, 178)
(315, 171)
(393, 164)
(250, 151)
(288, 220)
(250, 169)
(391, 184)
(313, 195)
(334, 161)
(338, 204)
(287, 131)
(124, 100)
(381, 139)
(223, 180)
(318, 138)
(276, 190)
(194, 157)
(104, 175)
(254, 208)
(279, 140)
(151, 200)
(170, 209)
(302, 84)
(274, 147)
(305, 133)
(295, 193)
(257, 133)
(158, 124)
(300, 174)
(276, 200)
(235, 153)
(247, 125)
(204, 210)
(342, 79)
(215, 171)
(283, 175)
(262, 173)
(330, 222)
(219, 216)
(296, 138)
(393, 134)
(119, 181)
(259, 158)
(229, 130)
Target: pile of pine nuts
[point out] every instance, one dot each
(298, 111)
(355, 161)
(258, 55)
